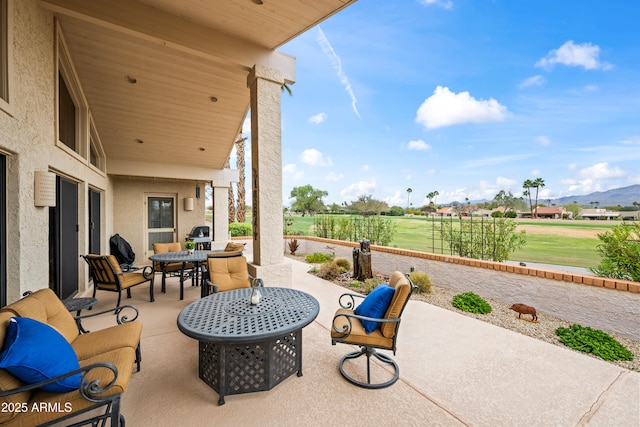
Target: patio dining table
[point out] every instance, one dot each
(185, 257)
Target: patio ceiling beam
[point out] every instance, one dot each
(153, 25)
(220, 177)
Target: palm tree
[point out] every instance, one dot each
(432, 196)
(241, 211)
(528, 185)
(231, 201)
(538, 183)
(409, 191)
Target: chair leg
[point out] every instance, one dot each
(368, 351)
(138, 357)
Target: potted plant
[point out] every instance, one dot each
(190, 246)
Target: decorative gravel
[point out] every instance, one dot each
(544, 329)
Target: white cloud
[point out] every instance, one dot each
(314, 157)
(584, 55)
(535, 172)
(632, 140)
(337, 65)
(290, 170)
(601, 171)
(418, 145)
(358, 189)
(365, 168)
(505, 183)
(572, 166)
(318, 118)
(445, 4)
(491, 161)
(543, 140)
(332, 176)
(536, 80)
(446, 108)
(398, 199)
(584, 187)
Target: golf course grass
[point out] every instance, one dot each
(570, 243)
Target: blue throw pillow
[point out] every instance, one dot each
(34, 351)
(375, 305)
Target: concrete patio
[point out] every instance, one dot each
(454, 371)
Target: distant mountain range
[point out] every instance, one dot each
(624, 196)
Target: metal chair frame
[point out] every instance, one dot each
(347, 301)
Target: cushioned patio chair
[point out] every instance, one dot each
(372, 325)
(170, 269)
(226, 271)
(108, 276)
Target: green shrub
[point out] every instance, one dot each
(354, 284)
(238, 229)
(318, 258)
(369, 284)
(593, 341)
(471, 303)
(343, 263)
(329, 271)
(422, 281)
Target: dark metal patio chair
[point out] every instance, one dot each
(348, 328)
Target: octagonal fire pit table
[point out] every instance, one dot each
(243, 347)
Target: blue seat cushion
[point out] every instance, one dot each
(34, 351)
(375, 305)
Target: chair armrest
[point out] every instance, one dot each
(122, 313)
(347, 326)
(213, 285)
(89, 390)
(256, 282)
(349, 300)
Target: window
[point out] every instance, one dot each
(96, 153)
(73, 113)
(66, 115)
(5, 53)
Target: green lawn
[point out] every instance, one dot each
(553, 248)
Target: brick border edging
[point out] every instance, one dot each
(602, 282)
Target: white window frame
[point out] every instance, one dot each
(94, 140)
(67, 70)
(6, 56)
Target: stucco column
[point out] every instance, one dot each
(266, 177)
(220, 217)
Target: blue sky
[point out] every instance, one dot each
(466, 97)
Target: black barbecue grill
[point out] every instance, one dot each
(200, 234)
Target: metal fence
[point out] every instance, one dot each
(472, 237)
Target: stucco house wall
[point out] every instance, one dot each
(28, 138)
(129, 201)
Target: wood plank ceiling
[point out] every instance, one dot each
(183, 56)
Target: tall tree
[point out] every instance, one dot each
(231, 204)
(308, 199)
(432, 196)
(367, 205)
(409, 191)
(528, 185)
(242, 200)
(538, 183)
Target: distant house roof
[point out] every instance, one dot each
(549, 210)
